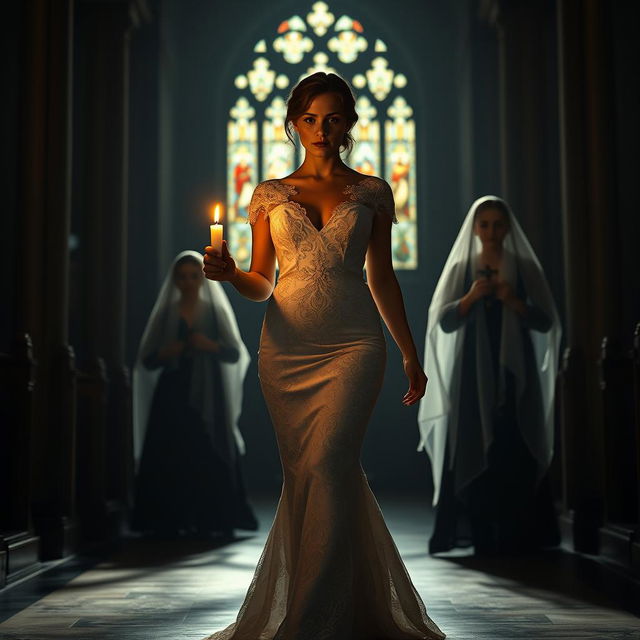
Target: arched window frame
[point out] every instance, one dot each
(385, 133)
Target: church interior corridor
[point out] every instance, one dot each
(248, 246)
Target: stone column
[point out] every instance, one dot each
(105, 31)
(103, 41)
(528, 129)
(589, 221)
(45, 191)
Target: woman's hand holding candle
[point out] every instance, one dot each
(219, 265)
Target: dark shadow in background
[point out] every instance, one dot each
(559, 573)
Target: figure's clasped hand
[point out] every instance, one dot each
(503, 291)
(171, 351)
(508, 297)
(200, 342)
(417, 381)
(219, 267)
(481, 288)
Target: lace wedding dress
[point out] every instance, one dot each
(330, 569)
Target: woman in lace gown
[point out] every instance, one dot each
(330, 569)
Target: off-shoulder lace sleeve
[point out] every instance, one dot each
(382, 199)
(265, 197)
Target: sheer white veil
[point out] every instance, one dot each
(161, 329)
(437, 416)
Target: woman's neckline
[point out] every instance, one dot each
(347, 190)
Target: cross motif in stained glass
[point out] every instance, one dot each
(277, 110)
(348, 45)
(261, 79)
(320, 18)
(379, 78)
(242, 110)
(365, 109)
(293, 45)
(399, 109)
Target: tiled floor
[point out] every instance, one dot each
(180, 591)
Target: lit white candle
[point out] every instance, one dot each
(216, 231)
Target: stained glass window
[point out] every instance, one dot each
(242, 176)
(258, 149)
(400, 173)
(320, 18)
(365, 156)
(348, 44)
(293, 43)
(277, 152)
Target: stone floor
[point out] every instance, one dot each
(188, 589)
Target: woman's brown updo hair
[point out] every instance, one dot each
(308, 89)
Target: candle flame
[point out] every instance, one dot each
(216, 214)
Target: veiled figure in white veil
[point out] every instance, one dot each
(491, 355)
(188, 383)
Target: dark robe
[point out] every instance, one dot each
(184, 483)
(505, 509)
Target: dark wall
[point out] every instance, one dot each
(205, 55)
(9, 223)
(146, 227)
(625, 88)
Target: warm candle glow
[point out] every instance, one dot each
(216, 229)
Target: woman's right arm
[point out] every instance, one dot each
(257, 283)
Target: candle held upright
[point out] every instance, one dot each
(216, 230)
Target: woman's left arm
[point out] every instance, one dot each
(388, 298)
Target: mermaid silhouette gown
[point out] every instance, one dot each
(330, 569)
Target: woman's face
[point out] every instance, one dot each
(323, 126)
(491, 226)
(188, 277)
